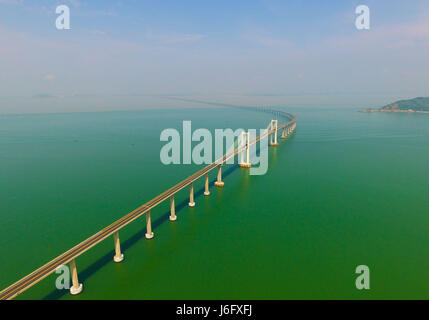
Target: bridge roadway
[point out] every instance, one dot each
(44, 271)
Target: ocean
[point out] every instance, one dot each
(346, 189)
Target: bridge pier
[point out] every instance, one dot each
(149, 233)
(245, 141)
(191, 195)
(77, 287)
(207, 191)
(118, 255)
(173, 216)
(219, 182)
(273, 139)
(284, 134)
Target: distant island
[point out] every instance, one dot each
(419, 105)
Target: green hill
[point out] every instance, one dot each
(416, 104)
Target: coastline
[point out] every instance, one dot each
(394, 111)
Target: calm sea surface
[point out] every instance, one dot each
(347, 189)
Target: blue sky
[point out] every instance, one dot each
(118, 54)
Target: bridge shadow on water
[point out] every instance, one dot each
(108, 257)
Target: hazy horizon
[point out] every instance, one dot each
(126, 56)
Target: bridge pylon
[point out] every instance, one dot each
(191, 195)
(207, 191)
(273, 138)
(118, 255)
(284, 133)
(173, 216)
(245, 141)
(77, 287)
(149, 234)
(219, 182)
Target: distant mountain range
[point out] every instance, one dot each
(412, 105)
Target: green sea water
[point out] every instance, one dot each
(346, 189)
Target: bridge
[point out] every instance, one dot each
(69, 257)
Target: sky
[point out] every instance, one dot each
(121, 55)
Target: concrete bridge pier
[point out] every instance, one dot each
(207, 191)
(149, 233)
(191, 195)
(77, 287)
(118, 255)
(173, 216)
(284, 134)
(245, 138)
(219, 182)
(273, 140)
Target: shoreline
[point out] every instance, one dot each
(394, 111)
